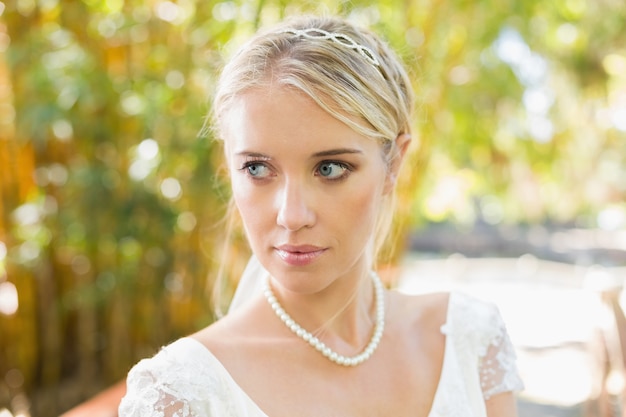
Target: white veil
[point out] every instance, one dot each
(251, 283)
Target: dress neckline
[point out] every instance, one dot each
(222, 369)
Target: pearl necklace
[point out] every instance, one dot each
(321, 346)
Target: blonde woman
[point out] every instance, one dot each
(315, 119)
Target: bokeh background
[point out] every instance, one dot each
(113, 196)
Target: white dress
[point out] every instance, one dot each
(186, 380)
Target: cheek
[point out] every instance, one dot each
(246, 201)
(254, 209)
(360, 210)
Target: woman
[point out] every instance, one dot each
(315, 119)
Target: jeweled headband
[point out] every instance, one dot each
(338, 38)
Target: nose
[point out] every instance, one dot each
(294, 209)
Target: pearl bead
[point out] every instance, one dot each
(321, 346)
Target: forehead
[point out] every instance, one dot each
(283, 116)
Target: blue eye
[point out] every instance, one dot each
(332, 170)
(256, 170)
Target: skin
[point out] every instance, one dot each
(318, 184)
(309, 189)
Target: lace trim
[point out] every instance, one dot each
(484, 328)
(171, 384)
(184, 381)
(149, 396)
(498, 370)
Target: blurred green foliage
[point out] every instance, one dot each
(111, 201)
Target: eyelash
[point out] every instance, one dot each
(347, 169)
(248, 164)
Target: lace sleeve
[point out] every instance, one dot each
(147, 395)
(183, 380)
(498, 370)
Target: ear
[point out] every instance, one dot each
(402, 142)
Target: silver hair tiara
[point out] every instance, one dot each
(339, 38)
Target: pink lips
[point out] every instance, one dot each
(299, 255)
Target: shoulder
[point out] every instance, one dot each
(236, 330)
(181, 353)
(419, 319)
(474, 322)
(173, 362)
(465, 309)
(429, 310)
(178, 376)
(447, 313)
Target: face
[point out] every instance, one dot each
(307, 186)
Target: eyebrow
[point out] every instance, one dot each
(321, 154)
(334, 152)
(253, 154)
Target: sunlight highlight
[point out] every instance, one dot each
(531, 69)
(8, 299)
(146, 157)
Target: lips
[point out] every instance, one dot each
(299, 255)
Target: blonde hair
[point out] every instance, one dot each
(372, 96)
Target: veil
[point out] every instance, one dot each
(251, 283)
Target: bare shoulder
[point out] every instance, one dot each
(415, 323)
(430, 310)
(234, 330)
(216, 331)
(420, 319)
(219, 330)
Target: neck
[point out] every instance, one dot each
(323, 347)
(343, 314)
